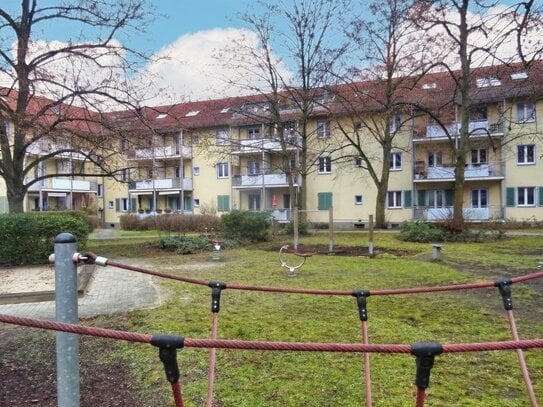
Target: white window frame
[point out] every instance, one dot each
(254, 132)
(324, 165)
(523, 192)
(196, 171)
(358, 163)
(323, 128)
(223, 170)
(110, 204)
(358, 200)
(525, 112)
(254, 167)
(100, 190)
(124, 204)
(395, 161)
(480, 155)
(524, 150)
(435, 159)
(479, 198)
(394, 199)
(395, 122)
(196, 202)
(435, 198)
(222, 137)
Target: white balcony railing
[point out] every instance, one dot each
(266, 180)
(255, 145)
(470, 214)
(471, 171)
(65, 184)
(158, 184)
(160, 152)
(476, 127)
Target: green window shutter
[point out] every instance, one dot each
(117, 205)
(421, 200)
(407, 199)
(449, 197)
(133, 204)
(223, 203)
(324, 201)
(540, 196)
(510, 197)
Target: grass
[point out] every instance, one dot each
(249, 378)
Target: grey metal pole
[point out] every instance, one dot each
(67, 344)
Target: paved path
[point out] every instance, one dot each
(109, 291)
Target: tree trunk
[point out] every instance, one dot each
(458, 204)
(15, 199)
(380, 221)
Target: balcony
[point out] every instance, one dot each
(261, 180)
(476, 128)
(249, 146)
(65, 185)
(470, 214)
(43, 147)
(159, 185)
(472, 171)
(163, 152)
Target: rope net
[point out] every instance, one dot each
(424, 352)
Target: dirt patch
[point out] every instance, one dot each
(27, 279)
(324, 249)
(28, 372)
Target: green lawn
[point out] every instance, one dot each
(249, 378)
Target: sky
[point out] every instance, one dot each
(187, 35)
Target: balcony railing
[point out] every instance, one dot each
(476, 127)
(160, 184)
(65, 184)
(471, 171)
(43, 147)
(259, 180)
(470, 214)
(256, 145)
(160, 152)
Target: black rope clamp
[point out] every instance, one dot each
(216, 288)
(425, 353)
(362, 299)
(505, 290)
(168, 345)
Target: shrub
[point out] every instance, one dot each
(184, 244)
(246, 226)
(170, 223)
(303, 227)
(28, 238)
(421, 232)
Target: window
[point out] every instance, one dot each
(122, 205)
(436, 198)
(358, 162)
(435, 159)
(253, 132)
(324, 201)
(196, 171)
(221, 137)
(479, 198)
(254, 202)
(323, 128)
(196, 202)
(358, 199)
(395, 161)
(526, 154)
(325, 165)
(395, 122)
(253, 167)
(488, 82)
(223, 203)
(177, 172)
(194, 139)
(394, 199)
(525, 112)
(110, 204)
(526, 196)
(100, 190)
(222, 170)
(124, 174)
(479, 156)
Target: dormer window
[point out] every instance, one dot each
(519, 75)
(488, 82)
(430, 85)
(192, 113)
(162, 115)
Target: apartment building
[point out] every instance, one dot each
(217, 155)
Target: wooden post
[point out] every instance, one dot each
(331, 229)
(370, 236)
(295, 218)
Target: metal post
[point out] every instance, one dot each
(370, 243)
(67, 344)
(295, 220)
(331, 229)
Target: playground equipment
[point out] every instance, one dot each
(292, 268)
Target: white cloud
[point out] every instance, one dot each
(194, 66)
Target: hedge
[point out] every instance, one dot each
(28, 238)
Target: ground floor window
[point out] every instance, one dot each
(479, 198)
(254, 202)
(394, 199)
(223, 203)
(526, 196)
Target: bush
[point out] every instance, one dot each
(246, 226)
(303, 228)
(422, 232)
(184, 244)
(170, 223)
(28, 238)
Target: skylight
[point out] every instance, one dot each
(192, 113)
(488, 82)
(162, 115)
(430, 85)
(519, 75)
(225, 109)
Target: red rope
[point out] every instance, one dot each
(212, 360)
(177, 395)
(397, 291)
(421, 397)
(522, 361)
(270, 346)
(367, 374)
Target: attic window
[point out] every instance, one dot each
(192, 113)
(519, 75)
(431, 85)
(225, 109)
(488, 82)
(162, 115)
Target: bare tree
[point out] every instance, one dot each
(56, 92)
(389, 57)
(475, 31)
